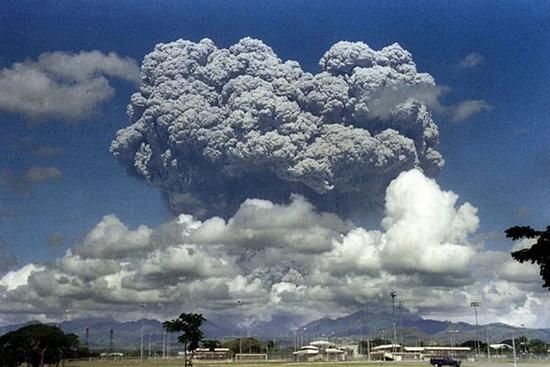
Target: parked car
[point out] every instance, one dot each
(445, 361)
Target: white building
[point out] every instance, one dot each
(320, 350)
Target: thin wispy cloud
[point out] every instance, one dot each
(472, 60)
(56, 239)
(31, 178)
(47, 151)
(466, 109)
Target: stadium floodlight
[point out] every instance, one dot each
(475, 305)
(239, 302)
(142, 308)
(393, 294)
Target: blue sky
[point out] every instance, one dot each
(497, 159)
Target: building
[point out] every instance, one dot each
(386, 352)
(394, 352)
(500, 349)
(320, 350)
(218, 354)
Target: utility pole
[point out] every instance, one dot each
(164, 344)
(368, 350)
(111, 343)
(475, 305)
(142, 306)
(400, 308)
(87, 337)
(514, 349)
(68, 314)
(488, 352)
(393, 294)
(394, 338)
(453, 340)
(239, 302)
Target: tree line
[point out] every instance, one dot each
(38, 345)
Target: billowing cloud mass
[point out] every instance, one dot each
(212, 127)
(289, 259)
(267, 168)
(63, 85)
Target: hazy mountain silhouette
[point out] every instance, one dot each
(365, 323)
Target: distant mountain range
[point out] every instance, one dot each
(365, 323)
(411, 328)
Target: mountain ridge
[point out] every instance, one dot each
(365, 323)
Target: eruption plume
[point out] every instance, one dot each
(211, 127)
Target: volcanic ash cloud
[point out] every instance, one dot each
(211, 127)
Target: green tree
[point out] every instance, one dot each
(249, 345)
(37, 345)
(538, 253)
(189, 324)
(211, 344)
(537, 346)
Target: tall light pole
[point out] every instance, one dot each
(514, 350)
(453, 341)
(393, 294)
(68, 314)
(239, 302)
(475, 305)
(400, 308)
(368, 349)
(164, 344)
(142, 307)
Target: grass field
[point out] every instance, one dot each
(179, 363)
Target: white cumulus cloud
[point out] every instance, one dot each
(287, 260)
(63, 85)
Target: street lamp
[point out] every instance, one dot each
(475, 305)
(164, 344)
(142, 308)
(68, 314)
(400, 308)
(393, 294)
(451, 332)
(239, 302)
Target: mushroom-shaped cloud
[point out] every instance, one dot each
(211, 127)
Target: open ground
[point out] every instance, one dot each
(179, 363)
